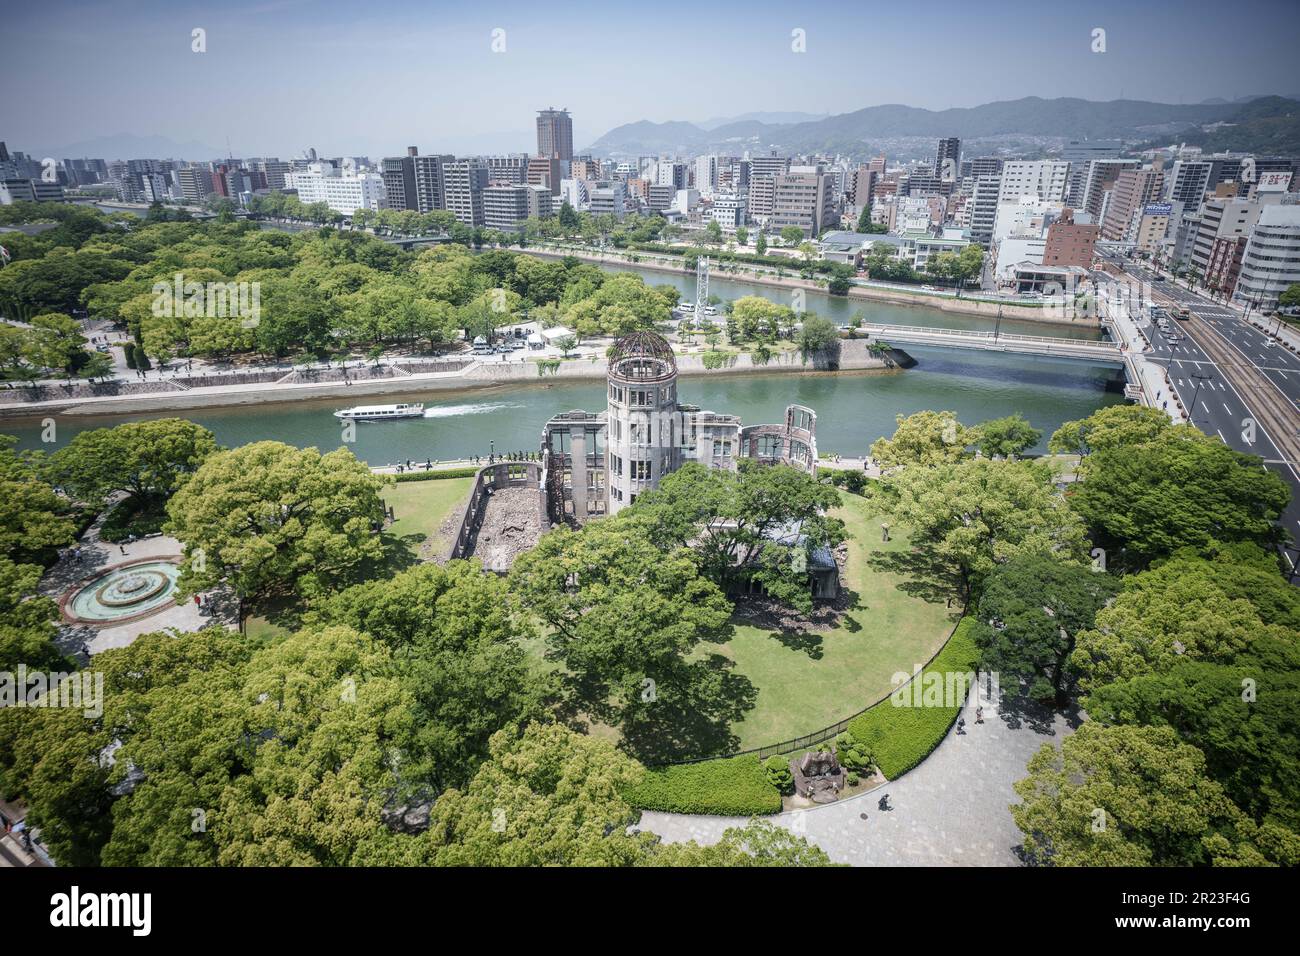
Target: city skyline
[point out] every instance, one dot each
(365, 87)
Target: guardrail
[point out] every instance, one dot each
(985, 336)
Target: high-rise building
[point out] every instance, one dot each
(1133, 190)
(1223, 218)
(1271, 262)
(1102, 174)
(429, 191)
(464, 181)
(983, 208)
(548, 172)
(706, 174)
(507, 169)
(804, 197)
(399, 181)
(507, 205)
(1045, 179)
(554, 134)
(947, 160)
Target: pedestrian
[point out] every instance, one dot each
(961, 725)
(883, 803)
(198, 601)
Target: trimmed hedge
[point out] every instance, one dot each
(901, 737)
(437, 475)
(736, 786)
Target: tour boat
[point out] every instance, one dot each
(380, 413)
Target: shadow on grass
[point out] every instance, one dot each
(691, 717)
(923, 576)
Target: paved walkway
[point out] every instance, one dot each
(952, 810)
(98, 556)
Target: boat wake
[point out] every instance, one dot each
(450, 411)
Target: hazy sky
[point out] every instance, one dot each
(371, 78)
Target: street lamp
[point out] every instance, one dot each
(1199, 377)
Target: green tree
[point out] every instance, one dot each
(1115, 426)
(1189, 607)
(146, 459)
(1244, 716)
(819, 341)
(1007, 437)
(1180, 489)
(1134, 796)
(792, 235)
(269, 518)
(972, 515)
(760, 244)
(456, 648)
(1033, 608)
(924, 438)
(737, 523)
(624, 618)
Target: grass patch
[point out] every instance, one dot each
(901, 737)
(420, 508)
(807, 680)
(445, 474)
(738, 786)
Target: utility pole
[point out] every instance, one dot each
(1199, 377)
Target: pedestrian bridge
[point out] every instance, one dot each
(1092, 350)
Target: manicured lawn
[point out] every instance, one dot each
(421, 507)
(810, 680)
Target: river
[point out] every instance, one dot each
(853, 408)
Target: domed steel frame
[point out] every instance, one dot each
(642, 357)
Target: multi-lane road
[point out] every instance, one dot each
(1235, 380)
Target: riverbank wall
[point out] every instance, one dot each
(168, 395)
(919, 299)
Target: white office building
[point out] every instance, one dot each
(1046, 179)
(1271, 262)
(706, 174)
(324, 182)
(728, 211)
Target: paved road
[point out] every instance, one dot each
(952, 810)
(1222, 404)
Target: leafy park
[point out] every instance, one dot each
(383, 708)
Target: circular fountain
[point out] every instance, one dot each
(123, 593)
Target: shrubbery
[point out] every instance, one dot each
(899, 738)
(736, 786)
(778, 772)
(852, 752)
(436, 475)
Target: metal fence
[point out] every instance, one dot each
(826, 733)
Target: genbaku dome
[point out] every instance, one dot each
(596, 463)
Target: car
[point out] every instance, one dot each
(1157, 278)
(503, 349)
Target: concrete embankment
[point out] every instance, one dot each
(944, 303)
(854, 356)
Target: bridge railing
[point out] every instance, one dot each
(887, 330)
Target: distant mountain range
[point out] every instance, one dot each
(854, 133)
(126, 146)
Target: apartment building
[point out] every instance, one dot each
(1222, 218)
(1070, 243)
(804, 197)
(1046, 179)
(429, 191)
(1102, 174)
(464, 181)
(983, 207)
(399, 181)
(1134, 189)
(507, 205)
